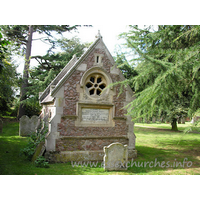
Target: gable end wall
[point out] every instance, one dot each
(69, 136)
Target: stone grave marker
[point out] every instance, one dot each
(33, 123)
(39, 151)
(27, 126)
(115, 157)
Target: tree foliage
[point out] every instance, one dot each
(167, 84)
(48, 67)
(19, 34)
(3, 48)
(21, 37)
(8, 77)
(127, 70)
(8, 82)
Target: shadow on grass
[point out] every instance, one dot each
(166, 149)
(158, 159)
(150, 160)
(155, 130)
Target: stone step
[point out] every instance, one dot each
(70, 156)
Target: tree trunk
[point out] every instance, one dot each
(23, 91)
(174, 125)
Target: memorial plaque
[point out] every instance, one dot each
(95, 115)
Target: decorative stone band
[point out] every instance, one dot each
(120, 118)
(69, 117)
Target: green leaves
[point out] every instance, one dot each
(168, 80)
(18, 35)
(41, 162)
(3, 49)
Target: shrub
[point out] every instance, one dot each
(41, 162)
(34, 140)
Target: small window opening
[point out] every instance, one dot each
(98, 92)
(99, 80)
(92, 92)
(92, 79)
(97, 59)
(89, 85)
(102, 86)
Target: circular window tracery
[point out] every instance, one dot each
(95, 84)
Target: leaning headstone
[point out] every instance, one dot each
(115, 157)
(27, 126)
(1, 125)
(39, 151)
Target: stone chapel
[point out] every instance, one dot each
(83, 114)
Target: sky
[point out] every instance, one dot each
(109, 33)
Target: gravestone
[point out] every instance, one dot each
(39, 151)
(27, 126)
(116, 157)
(33, 123)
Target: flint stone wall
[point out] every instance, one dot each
(67, 127)
(87, 143)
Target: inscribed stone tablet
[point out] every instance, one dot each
(98, 115)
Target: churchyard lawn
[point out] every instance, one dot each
(160, 151)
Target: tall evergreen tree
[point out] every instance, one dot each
(125, 67)
(48, 67)
(3, 48)
(168, 83)
(7, 77)
(22, 36)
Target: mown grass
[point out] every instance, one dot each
(152, 144)
(181, 127)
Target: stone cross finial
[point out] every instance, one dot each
(98, 35)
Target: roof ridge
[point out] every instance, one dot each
(67, 70)
(76, 63)
(60, 75)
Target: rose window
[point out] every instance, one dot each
(95, 85)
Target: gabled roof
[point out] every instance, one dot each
(43, 97)
(47, 96)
